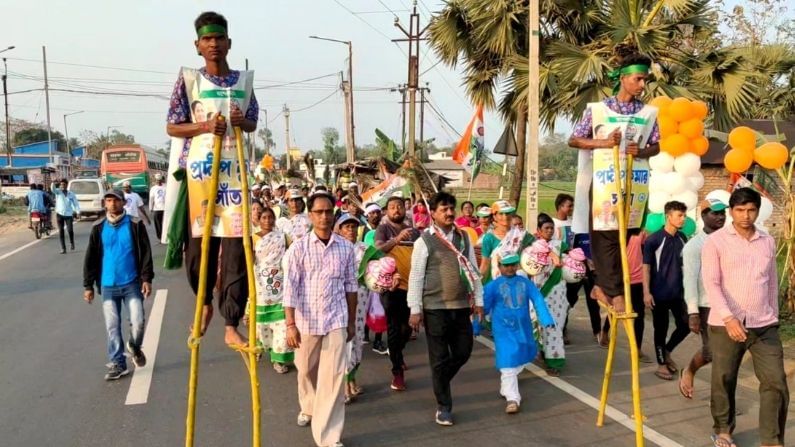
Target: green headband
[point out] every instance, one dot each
(615, 75)
(211, 29)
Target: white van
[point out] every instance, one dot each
(89, 193)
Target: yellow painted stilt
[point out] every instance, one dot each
(195, 336)
(250, 354)
(623, 202)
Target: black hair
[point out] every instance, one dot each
(267, 209)
(319, 195)
(441, 198)
(321, 188)
(544, 218)
(32, 186)
(516, 216)
(465, 202)
(741, 196)
(257, 202)
(627, 55)
(481, 205)
(561, 199)
(393, 199)
(674, 205)
(210, 18)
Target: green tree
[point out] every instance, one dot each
(95, 143)
(266, 136)
(333, 153)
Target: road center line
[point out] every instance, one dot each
(142, 377)
(17, 250)
(611, 412)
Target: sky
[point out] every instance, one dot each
(143, 44)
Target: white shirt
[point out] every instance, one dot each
(559, 224)
(157, 198)
(132, 202)
(419, 260)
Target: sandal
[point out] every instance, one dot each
(553, 372)
(717, 441)
(664, 376)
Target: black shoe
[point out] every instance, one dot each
(138, 357)
(73, 246)
(63, 250)
(116, 371)
(380, 348)
(444, 417)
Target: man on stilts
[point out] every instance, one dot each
(595, 131)
(199, 96)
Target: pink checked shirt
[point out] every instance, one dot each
(740, 277)
(318, 277)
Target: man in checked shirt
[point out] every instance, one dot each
(738, 265)
(320, 311)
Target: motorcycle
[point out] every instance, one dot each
(39, 224)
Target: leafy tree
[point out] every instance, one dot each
(95, 143)
(333, 153)
(266, 136)
(37, 135)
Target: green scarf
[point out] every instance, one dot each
(616, 75)
(178, 227)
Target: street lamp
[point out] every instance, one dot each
(352, 150)
(66, 130)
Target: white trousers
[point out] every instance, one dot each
(509, 384)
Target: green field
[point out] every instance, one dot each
(547, 191)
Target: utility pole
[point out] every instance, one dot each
(423, 90)
(286, 113)
(349, 150)
(5, 100)
(47, 102)
(66, 133)
(531, 149)
(413, 37)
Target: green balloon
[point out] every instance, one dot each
(654, 222)
(369, 238)
(690, 227)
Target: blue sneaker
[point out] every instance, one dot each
(444, 417)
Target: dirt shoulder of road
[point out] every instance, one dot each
(14, 219)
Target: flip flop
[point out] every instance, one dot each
(717, 441)
(681, 388)
(663, 376)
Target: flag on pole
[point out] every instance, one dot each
(469, 151)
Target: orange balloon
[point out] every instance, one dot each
(676, 144)
(267, 162)
(681, 110)
(699, 146)
(700, 110)
(662, 103)
(742, 138)
(738, 161)
(667, 125)
(692, 128)
(771, 155)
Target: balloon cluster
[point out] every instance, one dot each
(267, 163)
(743, 152)
(676, 170)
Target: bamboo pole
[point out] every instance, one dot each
(252, 293)
(195, 337)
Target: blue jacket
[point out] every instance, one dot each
(36, 201)
(507, 300)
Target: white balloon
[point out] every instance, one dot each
(662, 162)
(674, 183)
(657, 182)
(687, 164)
(765, 211)
(689, 198)
(695, 182)
(657, 201)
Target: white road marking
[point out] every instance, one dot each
(13, 252)
(142, 377)
(611, 412)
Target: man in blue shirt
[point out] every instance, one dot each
(663, 289)
(66, 207)
(119, 261)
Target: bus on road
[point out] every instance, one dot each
(131, 162)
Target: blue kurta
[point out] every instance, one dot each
(507, 299)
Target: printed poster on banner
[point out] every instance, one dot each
(636, 128)
(207, 100)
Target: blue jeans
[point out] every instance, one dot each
(112, 299)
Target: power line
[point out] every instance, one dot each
(370, 25)
(103, 67)
(315, 104)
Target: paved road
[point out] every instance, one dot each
(52, 391)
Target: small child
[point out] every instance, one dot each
(507, 299)
(421, 216)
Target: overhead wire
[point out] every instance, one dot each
(371, 26)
